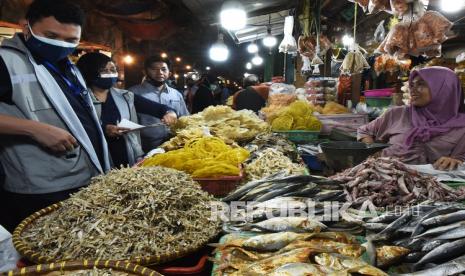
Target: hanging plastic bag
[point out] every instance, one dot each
(362, 3)
(379, 5)
(306, 67)
(380, 32)
(288, 45)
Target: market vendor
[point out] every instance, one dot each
(253, 96)
(113, 105)
(429, 131)
(51, 142)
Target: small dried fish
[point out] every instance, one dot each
(127, 213)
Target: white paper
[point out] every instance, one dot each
(128, 124)
(8, 255)
(457, 175)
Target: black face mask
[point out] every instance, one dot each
(155, 82)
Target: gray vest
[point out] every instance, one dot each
(29, 168)
(124, 101)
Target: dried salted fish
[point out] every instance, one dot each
(127, 213)
(271, 161)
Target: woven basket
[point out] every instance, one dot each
(37, 257)
(74, 266)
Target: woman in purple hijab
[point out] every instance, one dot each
(429, 131)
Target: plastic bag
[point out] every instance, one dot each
(306, 46)
(380, 32)
(362, 3)
(282, 88)
(288, 45)
(306, 66)
(397, 42)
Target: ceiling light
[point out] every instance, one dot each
(176, 76)
(248, 66)
(450, 6)
(269, 40)
(178, 59)
(219, 51)
(252, 48)
(246, 75)
(347, 40)
(185, 75)
(207, 68)
(164, 55)
(185, 86)
(257, 60)
(128, 59)
(188, 67)
(233, 16)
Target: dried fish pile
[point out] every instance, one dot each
(434, 233)
(289, 253)
(388, 182)
(127, 213)
(272, 140)
(220, 121)
(95, 272)
(270, 161)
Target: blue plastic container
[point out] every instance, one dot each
(312, 162)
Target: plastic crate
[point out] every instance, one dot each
(300, 136)
(378, 102)
(220, 186)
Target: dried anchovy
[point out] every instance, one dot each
(272, 140)
(127, 213)
(388, 182)
(95, 272)
(271, 161)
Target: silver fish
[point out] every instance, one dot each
(453, 267)
(442, 229)
(448, 250)
(444, 219)
(456, 233)
(293, 224)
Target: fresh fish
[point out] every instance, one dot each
(442, 229)
(247, 187)
(406, 230)
(393, 226)
(375, 226)
(445, 251)
(436, 212)
(414, 257)
(416, 244)
(327, 194)
(371, 251)
(385, 218)
(282, 191)
(300, 269)
(293, 224)
(432, 244)
(282, 202)
(453, 234)
(453, 267)
(444, 219)
(308, 190)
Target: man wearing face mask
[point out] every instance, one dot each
(113, 105)
(154, 88)
(51, 141)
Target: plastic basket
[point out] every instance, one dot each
(378, 102)
(220, 186)
(300, 136)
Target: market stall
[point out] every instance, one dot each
(302, 187)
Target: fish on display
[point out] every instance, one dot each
(295, 269)
(445, 251)
(282, 224)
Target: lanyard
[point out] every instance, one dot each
(77, 90)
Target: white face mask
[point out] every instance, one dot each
(106, 76)
(54, 42)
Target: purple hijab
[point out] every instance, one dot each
(442, 114)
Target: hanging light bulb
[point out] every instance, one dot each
(207, 68)
(248, 66)
(219, 51)
(347, 40)
(128, 59)
(233, 16)
(257, 60)
(252, 48)
(452, 6)
(269, 40)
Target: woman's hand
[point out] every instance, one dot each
(115, 131)
(447, 164)
(170, 118)
(367, 140)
